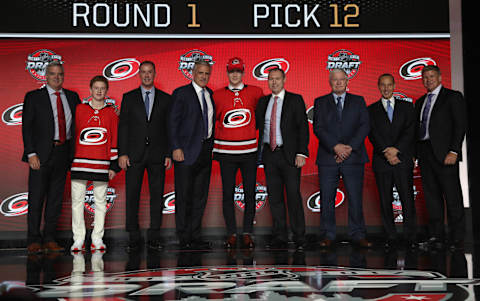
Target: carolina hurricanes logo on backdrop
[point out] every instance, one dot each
(169, 203)
(121, 69)
(310, 114)
(37, 62)
(90, 199)
(402, 96)
(13, 115)
(187, 61)
(412, 70)
(260, 196)
(237, 118)
(397, 204)
(15, 205)
(260, 71)
(345, 60)
(93, 136)
(313, 202)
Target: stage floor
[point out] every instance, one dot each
(341, 273)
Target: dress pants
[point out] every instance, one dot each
(191, 193)
(79, 188)
(228, 170)
(281, 176)
(133, 187)
(441, 182)
(352, 175)
(47, 184)
(402, 177)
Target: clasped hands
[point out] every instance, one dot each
(342, 152)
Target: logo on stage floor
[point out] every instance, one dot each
(90, 199)
(260, 71)
(187, 61)
(260, 196)
(313, 202)
(37, 62)
(15, 205)
(261, 283)
(13, 115)
(412, 69)
(121, 69)
(345, 60)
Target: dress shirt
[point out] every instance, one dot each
(151, 97)
(392, 103)
(268, 113)
(342, 98)
(66, 110)
(208, 99)
(434, 98)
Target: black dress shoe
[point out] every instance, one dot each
(277, 244)
(155, 245)
(362, 243)
(133, 246)
(390, 243)
(231, 242)
(185, 246)
(247, 241)
(300, 246)
(201, 245)
(457, 245)
(435, 243)
(326, 243)
(411, 245)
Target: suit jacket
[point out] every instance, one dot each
(186, 126)
(293, 125)
(448, 122)
(135, 131)
(38, 125)
(352, 130)
(400, 133)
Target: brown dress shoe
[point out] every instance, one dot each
(363, 243)
(231, 242)
(326, 243)
(34, 248)
(52, 247)
(248, 241)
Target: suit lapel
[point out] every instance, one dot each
(438, 102)
(285, 109)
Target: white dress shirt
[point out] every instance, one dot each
(208, 99)
(434, 98)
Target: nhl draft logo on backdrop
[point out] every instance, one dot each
(237, 118)
(187, 61)
(121, 69)
(90, 199)
(37, 62)
(93, 136)
(260, 196)
(412, 70)
(15, 205)
(345, 60)
(313, 202)
(260, 71)
(13, 115)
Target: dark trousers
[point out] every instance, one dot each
(402, 178)
(47, 184)
(133, 187)
(441, 182)
(352, 176)
(191, 193)
(228, 170)
(281, 176)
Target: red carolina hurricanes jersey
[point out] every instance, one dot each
(96, 142)
(235, 131)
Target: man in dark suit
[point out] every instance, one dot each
(47, 128)
(392, 134)
(441, 125)
(341, 125)
(283, 136)
(143, 145)
(191, 132)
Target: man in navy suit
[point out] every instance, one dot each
(47, 128)
(441, 124)
(392, 134)
(191, 132)
(341, 125)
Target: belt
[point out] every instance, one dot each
(58, 143)
(276, 149)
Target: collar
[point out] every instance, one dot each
(52, 91)
(238, 88)
(436, 91)
(197, 88)
(90, 104)
(335, 96)
(392, 100)
(280, 95)
(151, 90)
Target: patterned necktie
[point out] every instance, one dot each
(389, 110)
(273, 125)
(205, 114)
(62, 124)
(425, 116)
(339, 108)
(147, 104)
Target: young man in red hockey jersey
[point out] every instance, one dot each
(235, 148)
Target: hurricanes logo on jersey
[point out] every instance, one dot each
(93, 136)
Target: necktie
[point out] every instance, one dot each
(425, 116)
(339, 108)
(389, 110)
(273, 125)
(147, 103)
(62, 124)
(205, 114)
